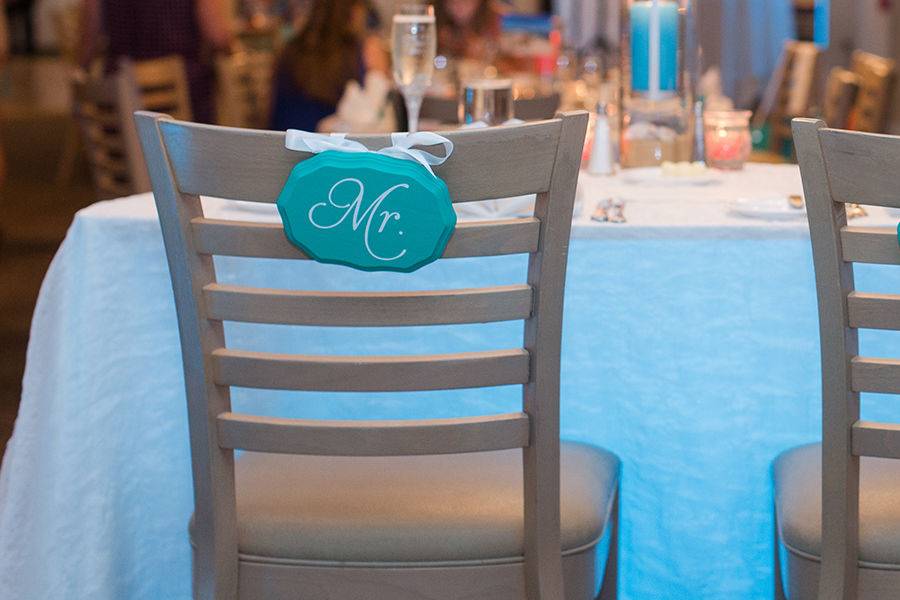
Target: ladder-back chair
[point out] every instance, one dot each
(790, 91)
(244, 94)
(278, 522)
(160, 85)
(838, 503)
(841, 90)
(876, 77)
(103, 107)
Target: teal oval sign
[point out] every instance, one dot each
(367, 211)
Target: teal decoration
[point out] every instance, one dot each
(367, 211)
(898, 233)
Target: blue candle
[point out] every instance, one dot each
(654, 46)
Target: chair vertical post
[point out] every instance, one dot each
(839, 343)
(543, 332)
(216, 556)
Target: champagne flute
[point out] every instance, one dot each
(413, 47)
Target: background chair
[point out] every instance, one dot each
(103, 107)
(838, 503)
(789, 93)
(367, 531)
(159, 84)
(876, 77)
(841, 90)
(245, 89)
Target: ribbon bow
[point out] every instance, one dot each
(402, 145)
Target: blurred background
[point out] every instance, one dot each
(69, 70)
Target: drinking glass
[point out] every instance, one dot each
(413, 46)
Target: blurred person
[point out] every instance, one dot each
(338, 43)
(147, 29)
(468, 29)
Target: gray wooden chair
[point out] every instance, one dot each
(244, 93)
(838, 503)
(103, 107)
(876, 77)
(481, 507)
(159, 84)
(789, 92)
(841, 90)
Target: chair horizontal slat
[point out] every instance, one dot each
(850, 153)
(370, 373)
(267, 240)
(876, 439)
(876, 245)
(373, 438)
(246, 164)
(877, 375)
(874, 311)
(359, 309)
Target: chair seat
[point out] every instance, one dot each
(798, 500)
(410, 509)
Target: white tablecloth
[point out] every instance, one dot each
(690, 349)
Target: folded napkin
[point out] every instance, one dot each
(363, 109)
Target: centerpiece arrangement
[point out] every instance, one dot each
(660, 64)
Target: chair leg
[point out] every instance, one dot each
(609, 589)
(779, 580)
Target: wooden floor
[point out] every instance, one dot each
(35, 212)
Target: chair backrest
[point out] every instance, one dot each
(840, 96)
(876, 77)
(790, 91)
(160, 85)
(103, 107)
(840, 167)
(244, 94)
(186, 160)
(446, 110)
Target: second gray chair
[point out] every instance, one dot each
(838, 503)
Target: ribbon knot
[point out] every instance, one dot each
(403, 145)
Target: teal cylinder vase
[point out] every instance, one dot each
(659, 69)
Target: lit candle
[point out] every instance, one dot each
(654, 46)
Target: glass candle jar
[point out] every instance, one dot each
(727, 138)
(659, 68)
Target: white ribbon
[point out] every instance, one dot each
(402, 145)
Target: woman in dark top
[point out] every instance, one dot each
(146, 29)
(337, 44)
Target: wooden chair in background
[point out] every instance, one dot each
(841, 90)
(160, 85)
(244, 95)
(838, 503)
(297, 515)
(103, 107)
(876, 77)
(789, 93)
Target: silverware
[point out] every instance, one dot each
(617, 211)
(601, 212)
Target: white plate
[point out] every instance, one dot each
(770, 208)
(654, 176)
